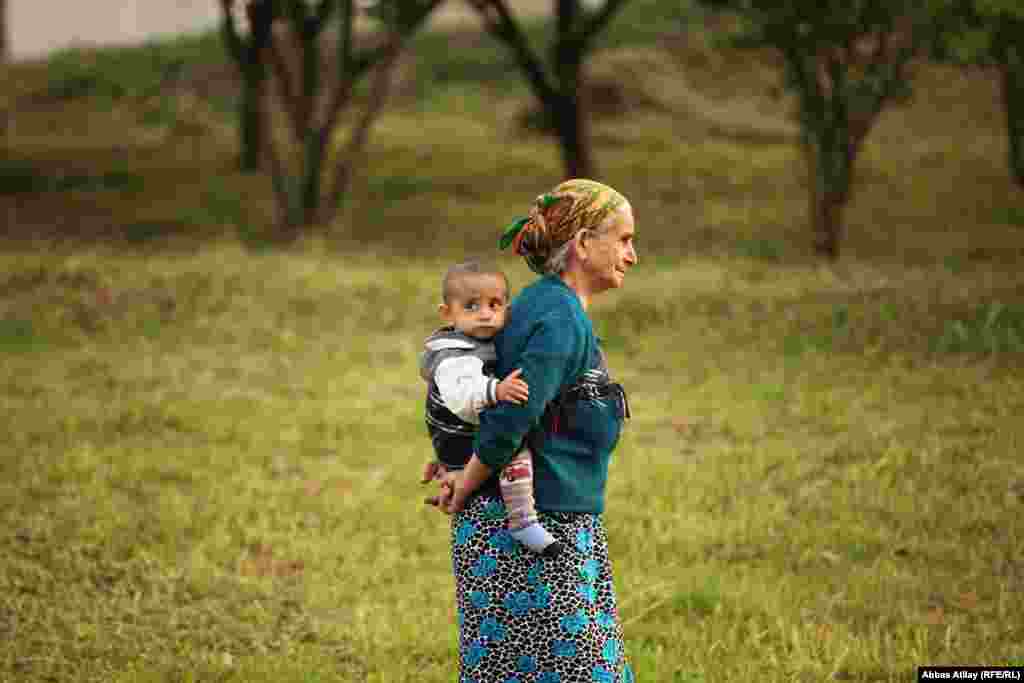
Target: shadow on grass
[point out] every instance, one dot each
(23, 177)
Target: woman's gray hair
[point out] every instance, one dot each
(559, 259)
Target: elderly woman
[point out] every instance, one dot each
(525, 617)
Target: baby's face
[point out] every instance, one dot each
(478, 307)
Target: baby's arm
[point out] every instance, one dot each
(464, 387)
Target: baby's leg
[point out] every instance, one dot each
(516, 483)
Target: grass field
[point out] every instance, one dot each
(210, 447)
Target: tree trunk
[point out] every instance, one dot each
(250, 56)
(251, 131)
(1013, 100)
(570, 123)
(4, 45)
(828, 224)
(828, 194)
(570, 114)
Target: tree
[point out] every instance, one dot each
(559, 84)
(845, 60)
(311, 98)
(991, 32)
(4, 48)
(249, 53)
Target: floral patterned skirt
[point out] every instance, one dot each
(528, 619)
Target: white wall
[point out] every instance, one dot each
(40, 26)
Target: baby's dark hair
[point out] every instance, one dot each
(455, 273)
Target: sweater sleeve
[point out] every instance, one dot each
(551, 356)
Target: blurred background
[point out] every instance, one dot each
(223, 226)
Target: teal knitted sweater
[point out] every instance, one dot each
(550, 337)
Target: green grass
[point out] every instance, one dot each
(113, 73)
(211, 444)
(237, 490)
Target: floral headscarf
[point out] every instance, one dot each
(557, 216)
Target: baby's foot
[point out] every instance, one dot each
(534, 536)
(553, 550)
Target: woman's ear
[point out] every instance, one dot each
(581, 238)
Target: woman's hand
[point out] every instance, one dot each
(449, 482)
(456, 487)
(457, 500)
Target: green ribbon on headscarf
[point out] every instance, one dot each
(516, 226)
(509, 236)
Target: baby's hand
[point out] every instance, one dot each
(512, 389)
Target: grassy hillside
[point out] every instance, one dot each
(209, 448)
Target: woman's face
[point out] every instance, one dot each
(608, 255)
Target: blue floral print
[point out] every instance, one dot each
(590, 569)
(533, 575)
(610, 651)
(503, 541)
(518, 603)
(574, 623)
(584, 540)
(492, 629)
(494, 510)
(479, 599)
(526, 618)
(464, 533)
(542, 597)
(485, 566)
(475, 654)
(527, 664)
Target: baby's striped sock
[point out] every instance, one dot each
(516, 483)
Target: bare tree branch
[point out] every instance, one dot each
(348, 157)
(599, 20)
(357, 65)
(345, 36)
(504, 28)
(323, 12)
(289, 98)
(230, 31)
(343, 93)
(278, 172)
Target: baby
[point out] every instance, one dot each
(458, 363)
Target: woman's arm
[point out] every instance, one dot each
(552, 354)
(470, 479)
